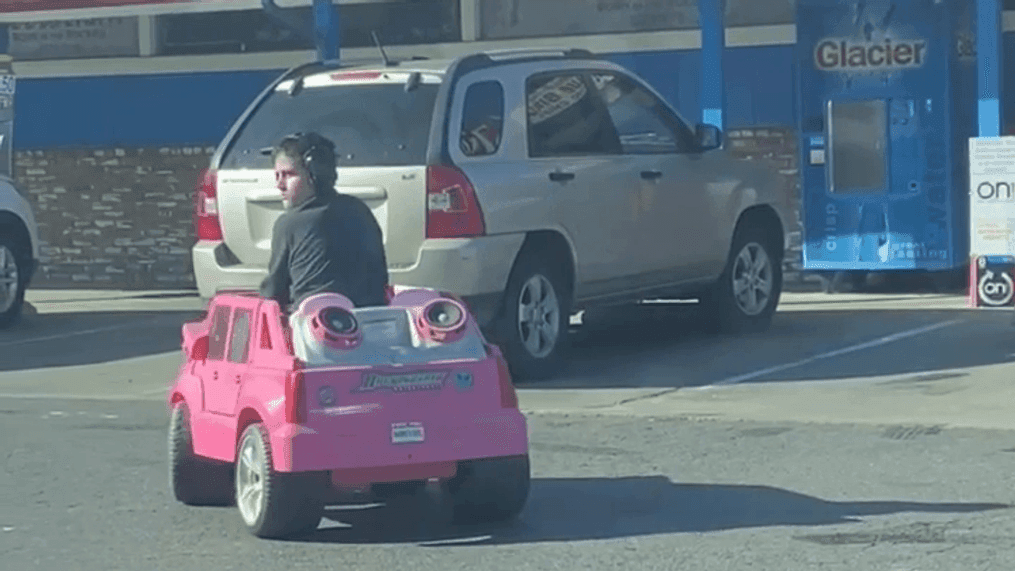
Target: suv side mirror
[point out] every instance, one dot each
(709, 136)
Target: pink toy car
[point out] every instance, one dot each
(278, 419)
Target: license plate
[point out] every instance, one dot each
(407, 432)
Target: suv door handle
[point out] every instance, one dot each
(650, 175)
(561, 176)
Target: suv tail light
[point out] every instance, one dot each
(206, 211)
(452, 208)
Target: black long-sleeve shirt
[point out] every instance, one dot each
(328, 244)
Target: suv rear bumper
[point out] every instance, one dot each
(476, 269)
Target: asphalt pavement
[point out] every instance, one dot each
(860, 432)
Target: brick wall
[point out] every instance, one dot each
(776, 146)
(122, 218)
(113, 218)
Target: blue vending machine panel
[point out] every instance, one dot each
(882, 133)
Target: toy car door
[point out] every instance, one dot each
(226, 379)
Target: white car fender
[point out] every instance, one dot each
(12, 201)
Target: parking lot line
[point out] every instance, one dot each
(74, 397)
(78, 333)
(845, 350)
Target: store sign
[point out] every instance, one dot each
(993, 284)
(992, 196)
(504, 19)
(60, 39)
(887, 55)
(14, 6)
(992, 221)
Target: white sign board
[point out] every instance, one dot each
(992, 196)
(87, 38)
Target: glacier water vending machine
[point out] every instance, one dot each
(887, 102)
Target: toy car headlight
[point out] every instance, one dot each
(336, 326)
(443, 316)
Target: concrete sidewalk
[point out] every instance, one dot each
(42, 301)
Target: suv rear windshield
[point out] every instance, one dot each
(370, 124)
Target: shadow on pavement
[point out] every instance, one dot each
(68, 339)
(670, 347)
(576, 509)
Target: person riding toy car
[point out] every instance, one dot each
(279, 414)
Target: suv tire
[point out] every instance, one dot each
(753, 266)
(12, 275)
(532, 340)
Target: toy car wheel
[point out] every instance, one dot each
(272, 504)
(12, 281)
(534, 323)
(747, 294)
(489, 490)
(194, 480)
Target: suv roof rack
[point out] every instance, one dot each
(520, 53)
(494, 57)
(509, 53)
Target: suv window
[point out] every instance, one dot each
(482, 119)
(371, 124)
(643, 124)
(239, 339)
(217, 336)
(565, 118)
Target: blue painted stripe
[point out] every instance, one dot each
(138, 111)
(198, 108)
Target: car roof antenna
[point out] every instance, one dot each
(377, 42)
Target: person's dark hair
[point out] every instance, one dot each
(317, 155)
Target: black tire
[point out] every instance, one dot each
(288, 506)
(195, 481)
(13, 255)
(510, 334)
(490, 490)
(724, 313)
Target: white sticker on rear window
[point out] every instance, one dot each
(557, 95)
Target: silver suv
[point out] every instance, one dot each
(533, 183)
(19, 250)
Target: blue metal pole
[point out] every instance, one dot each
(988, 63)
(713, 40)
(326, 29)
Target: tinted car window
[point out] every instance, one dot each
(482, 119)
(239, 342)
(219, 330)
(371, 125)
(565, 118)
(639, 117)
